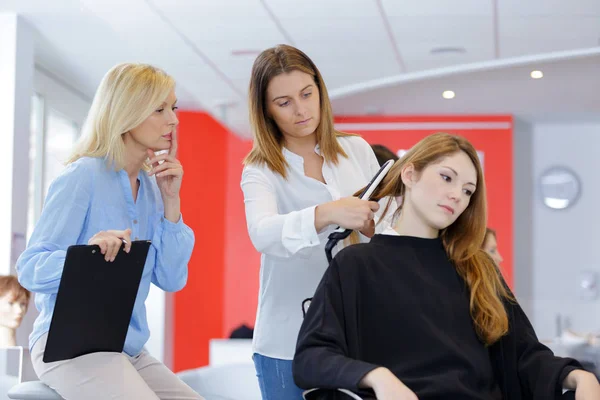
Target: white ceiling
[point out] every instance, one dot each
(569, 90)
(382, 47)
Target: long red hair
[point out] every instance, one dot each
(464, 238)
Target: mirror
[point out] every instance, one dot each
(559, 187)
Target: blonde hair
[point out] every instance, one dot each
(268, 140)
(464, 238)
(128, 94)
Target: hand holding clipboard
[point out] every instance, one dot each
(110, 242)
(95, 300)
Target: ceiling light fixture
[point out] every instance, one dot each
(245, 52)
(537, 74)
(448, 94)
(448, 50)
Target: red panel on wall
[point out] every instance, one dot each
(198, 308)
(242, 261)
(491, 135)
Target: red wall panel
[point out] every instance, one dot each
(242, 261)
(198, 308)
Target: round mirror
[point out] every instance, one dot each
(560, 187)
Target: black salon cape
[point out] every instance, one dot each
(398, 302)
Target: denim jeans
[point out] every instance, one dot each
(275, 378)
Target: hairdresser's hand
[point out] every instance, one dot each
(110, 242)
(349, 213)
(169, 173)
(386, 385)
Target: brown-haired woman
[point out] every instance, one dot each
(421, 311)
(297, 182)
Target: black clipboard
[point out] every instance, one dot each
(95, 301)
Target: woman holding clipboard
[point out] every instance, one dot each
(115, 190)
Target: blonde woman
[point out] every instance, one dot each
(113, 191)
(298, 183)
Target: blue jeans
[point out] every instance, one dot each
(275, 378)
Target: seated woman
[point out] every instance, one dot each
(421, 311)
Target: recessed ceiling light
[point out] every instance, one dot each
(448, 94)
(537, 74)
(448, 50)
(245, 52)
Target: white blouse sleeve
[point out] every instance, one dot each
(280, 235)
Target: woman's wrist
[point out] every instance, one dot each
(372, 378)
(323, 216)
(574, 378)
(172, 209)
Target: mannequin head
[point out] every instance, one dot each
(14, 300)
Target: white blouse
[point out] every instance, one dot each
(280, 215)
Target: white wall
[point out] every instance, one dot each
(563, 242)
(58, 94)
(159, 308)
(16, 71)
